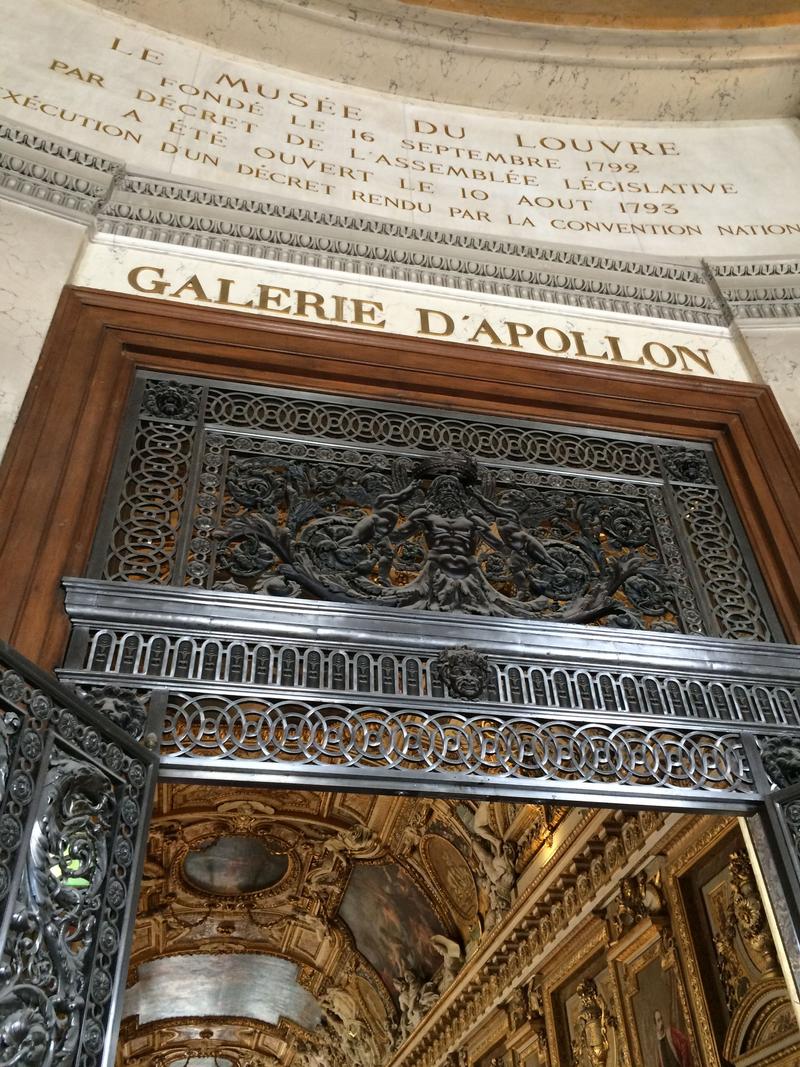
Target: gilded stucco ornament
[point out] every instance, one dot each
(748, 910)
(591, 1045)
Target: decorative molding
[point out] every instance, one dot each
(762, 289)
(529, 932)
(232, 223)
(30, 139)
(57, 176)
(53, 175)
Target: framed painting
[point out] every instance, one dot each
(654, 1002)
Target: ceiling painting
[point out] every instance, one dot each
(392, 922)
(278, 928)
(233, 865)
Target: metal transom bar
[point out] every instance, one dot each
(286, 691)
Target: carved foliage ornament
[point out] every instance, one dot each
(440, 533)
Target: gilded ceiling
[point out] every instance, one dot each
(629, 14)
(294, 929)
(287, 927)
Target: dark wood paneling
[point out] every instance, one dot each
(55, 468)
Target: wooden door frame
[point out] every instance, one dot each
(55, 469)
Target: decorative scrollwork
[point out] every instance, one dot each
(725, 579)
(441, 533)
(69, 824)
(341, 500)
(48, 953)
(485, 744)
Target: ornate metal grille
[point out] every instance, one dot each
(314, 590)
(74, 801)
(330, 593)
(226, 488)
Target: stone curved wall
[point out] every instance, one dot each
(606, 241)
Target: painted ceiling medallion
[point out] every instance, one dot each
(233, 865)
(452, 872)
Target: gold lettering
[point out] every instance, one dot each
(616, 352)
(225, 292)
(689, 355)
(365, 313)
(69, 71)
(306, 300)
(425, 325)
(154, 287)
(269, 297)
(562, 343)
(193, 285)
(486, 329)
(667, 358)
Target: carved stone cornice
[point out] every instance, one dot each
(53, 175)
(65, 179)
(762, 290)
(61, 178)
(221, 221)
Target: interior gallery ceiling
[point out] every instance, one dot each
(311, 928)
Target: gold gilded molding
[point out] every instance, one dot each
(632, 14)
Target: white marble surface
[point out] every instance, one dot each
(205, 280)
(775, 348)
(37, 252)
(554, 70)
(178, 108)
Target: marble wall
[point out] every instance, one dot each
(580, 71)
(173, 107)
(37, 253)
(775, 349)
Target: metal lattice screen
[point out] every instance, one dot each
(332, 592)
(307, 497)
